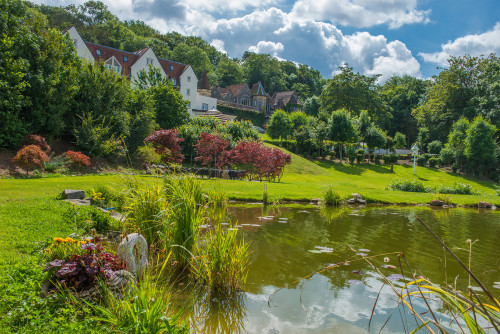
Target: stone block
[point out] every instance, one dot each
(73, 194)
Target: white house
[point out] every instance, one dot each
(130, 64)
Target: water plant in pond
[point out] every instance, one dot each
(331, 197)
(222, 260)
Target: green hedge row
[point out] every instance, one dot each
(256, 117)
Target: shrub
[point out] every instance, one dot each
(55, 164)
(210, 149)
(147, 155)
(352, 158)
(78, 159)
(407, 185)
(377, 159)
(223, 261)
(331, 197)
(433, 162)
(359, 158)
(457, 188)
(89, 218)
(434, 147)
(394, 158)
(30, 156)
(167, 145)
(447, 155)
(421, 161)
(38, 141)
(387, 159)
(454, 168)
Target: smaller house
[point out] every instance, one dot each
(288, 101)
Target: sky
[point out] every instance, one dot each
(387, 37)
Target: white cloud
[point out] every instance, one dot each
(218, 44)
(361, 13)
(474, 45)
(271, 48)
(227, 5)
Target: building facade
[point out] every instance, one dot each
(130, 64)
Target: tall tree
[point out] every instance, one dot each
(228, 72)
(480, 147)
(279, 125)
(342, 129)
(171, 108)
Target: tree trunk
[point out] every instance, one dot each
(340, 153)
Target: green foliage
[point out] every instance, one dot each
(408, 185)
(147, 155)
(480, 147)
(447, 155)
(94, 137)
(312, 106)
(142, 118)
(228, 73)
(433, 162)
(399, 140)
(341, 129)
(279, 125)
(434, 147)
(374, 138)
(222, 260)
(331, 197)
(422, 161)
(55, 164)
(256, 117)
(89, 218)
(457, 188)
(171, 108)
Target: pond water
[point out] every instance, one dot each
(289, 244)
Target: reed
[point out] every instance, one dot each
(331, 197)
(222, 260)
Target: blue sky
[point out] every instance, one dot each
(387, 37)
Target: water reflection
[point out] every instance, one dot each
(290, 243)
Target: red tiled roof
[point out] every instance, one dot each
(235, 89)
(284, 97)
(107, 52)
(179, 68)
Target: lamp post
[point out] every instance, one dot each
(414, 152)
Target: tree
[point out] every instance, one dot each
(279, 126)
(456, 140)
(487, 95)
(434, 147)
(142, 118)
(298, 119)
(29, 157)
(480, 147)
(364, 123)
(399, 140)
(167, 145)
(228, 72)
(210, 149)
(263, 68)
(341, 129)
(171, 108)
(312, 105)
(374, 138)
(151, 77)
(353, 92)
(423, 137)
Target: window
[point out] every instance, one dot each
(113, 64)
(171, 67)
(98, 52)
(260, 103)
(125, 58)
(255, 103)
(189, 79)
(173, 81)
(188, 92)
(189, 105)
(149, 61)
(204, 106)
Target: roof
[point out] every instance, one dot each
(179, 68)
(258, 89)
(203, 83)
(235, 89)
(284, 97)
(107, 52)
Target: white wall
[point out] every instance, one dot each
(141, 64)
(194, 97)
(82, 50)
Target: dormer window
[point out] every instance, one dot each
(98, 52)
(149, 61)
(125, 59)
(189, 79)
(113, 64)
(171, 67)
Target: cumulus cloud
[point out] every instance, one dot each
(227, 5)
(164, 9)
(218, 44)
(474, 45)
(271, 48)
(361, 13)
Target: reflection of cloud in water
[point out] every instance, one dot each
(347, 312)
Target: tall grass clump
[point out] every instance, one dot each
(144, 308)
(222, 260)
(187, 207)
(147, 211)
(331, 197)
(407, 185)
(218, 196)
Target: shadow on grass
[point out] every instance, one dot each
(353, 169)
(418, 177)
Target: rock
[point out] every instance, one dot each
(484, 204)
(73, 194)
(437, 202)
(316, 200)
(351, 201)
(357, 196)
(361, 201)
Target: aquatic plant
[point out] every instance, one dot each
(222, 260)
(331, 197)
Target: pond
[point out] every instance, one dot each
(289, 244)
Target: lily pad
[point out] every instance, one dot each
(497, 286)
(355, 281)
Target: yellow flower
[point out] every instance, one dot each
(68, 239)
(58, 240)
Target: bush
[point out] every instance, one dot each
(387, 159)
(454, 168)
(359, 158)
(407, 185)
(377, 159)
(421, 161)
(78, 159)
(30, 156)
(38, 141)
(89, 218)
(352, 158)
(167, 145)
(147, 155)
(55, 164)
(458, 189)
(434, 147)
(433, 162)
(394, 158)
(447, 155)
(331, 197)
